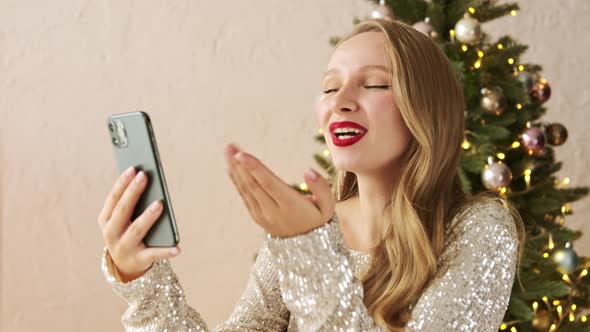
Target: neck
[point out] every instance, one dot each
(365, 218)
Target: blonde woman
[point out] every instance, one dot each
(396, 246)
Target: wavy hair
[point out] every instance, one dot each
(428, 194)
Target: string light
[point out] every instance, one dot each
(521, 68)
(464, 47)
(513, 13)
(466, 145)
(574, 307)
(535, 306)
(566, 278)
(511, 61)
(572, 317)
(503, 326)
(546, 255)
(477, 64)
(513, 329)
(583, 273)
(551, 244)
(583, 319)
(501, 156)
(527, 177)
(500, 46)
(321, 131)
(480, 53)
(471, 10)
(519, 106)
(566, 181)
(553, 327)
(515, 145)
(303, 186)
(326, 153)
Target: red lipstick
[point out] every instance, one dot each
(346, 141)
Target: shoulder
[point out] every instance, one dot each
(483, 218)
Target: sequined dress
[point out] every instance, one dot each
(311, 282)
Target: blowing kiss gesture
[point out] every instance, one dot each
(279, 209)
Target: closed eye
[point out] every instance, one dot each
(368, 87)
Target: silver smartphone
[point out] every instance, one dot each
(134, 143)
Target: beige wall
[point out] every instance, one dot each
(208, 72)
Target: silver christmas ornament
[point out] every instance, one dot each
(496, 175)
(383, 11)
(468, 30)
(566, 259)
(426, 28)
(493, 100)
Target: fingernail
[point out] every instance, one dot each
(311, 174)
(139, 177)
(244, 159)
(129, 171)
(174, 251)
(155, 206)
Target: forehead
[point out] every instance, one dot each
(367, 48)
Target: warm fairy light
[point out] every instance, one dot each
(303, 186)
(515, 145)
(502, 190)
(553, 327)
(500, 46)
(551, 244)
(326, 153)
(527, 176)
(546, 255)
(543, 80)
(452, 33)
(503, 326)
(471, 10)
(531, 152)
(583, 319)
(563, 209)
(477, 64)
(572, 317)
(559, 310)
(513, 13)
(466, 145)
(513, 329)
(321, 131)
(566, 181)
(480, 54)
(535, 305)
(556, 302)
(501, 156)
(521, 68)
(583, 273)
(519, 106)
(545, 298)
(574, 307)
(565, 277)
(464, 47)
(511, 61)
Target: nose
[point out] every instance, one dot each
(343, 100)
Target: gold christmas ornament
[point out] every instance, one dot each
(542, 320)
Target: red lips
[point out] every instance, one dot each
(348, 141)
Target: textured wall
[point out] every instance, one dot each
(208, 72)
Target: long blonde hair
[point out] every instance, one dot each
(430, 99)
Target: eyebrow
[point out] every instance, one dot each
(363, 68)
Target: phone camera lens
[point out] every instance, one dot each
(111, 127)
(115, 140)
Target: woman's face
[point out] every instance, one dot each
(357, 89)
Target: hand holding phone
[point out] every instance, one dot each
(124, 239)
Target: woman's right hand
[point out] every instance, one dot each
(123, 238)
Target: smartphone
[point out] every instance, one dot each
(134, 144)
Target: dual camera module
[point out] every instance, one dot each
(118, 133)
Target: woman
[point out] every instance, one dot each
(396, 247)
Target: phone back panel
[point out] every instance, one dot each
(136, 147)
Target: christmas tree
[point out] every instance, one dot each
(509, 149)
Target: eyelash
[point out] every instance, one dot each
(368, 87)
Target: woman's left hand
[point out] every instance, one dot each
(275, 205)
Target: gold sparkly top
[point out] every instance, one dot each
(311, 282)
